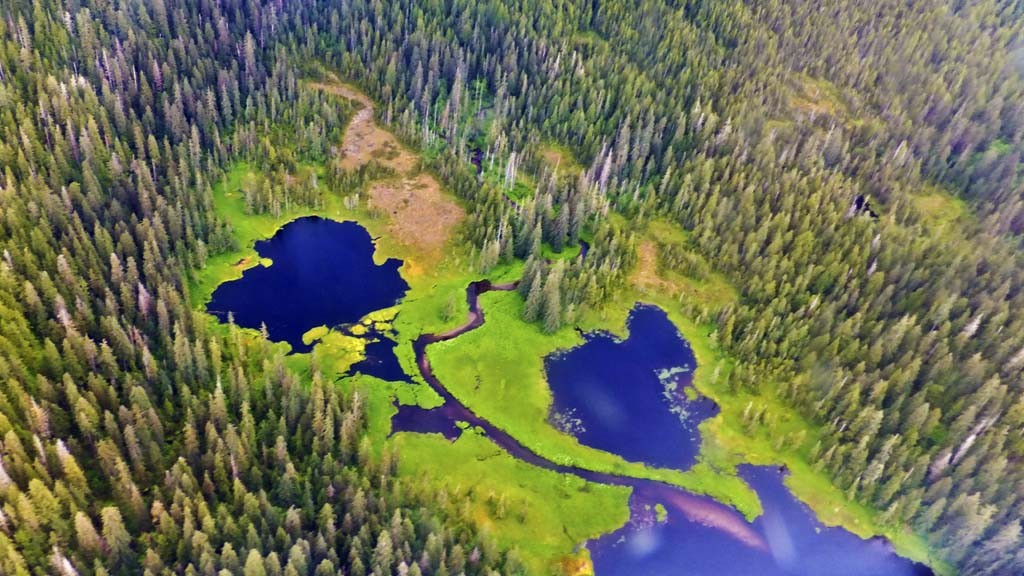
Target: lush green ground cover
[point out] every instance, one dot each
(542, 513)
(497, 370)
(568, 252)
(942, 212)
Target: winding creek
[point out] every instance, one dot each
(698, 535)
(631, 397)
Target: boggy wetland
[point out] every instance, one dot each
(609, 445)
(632, 396)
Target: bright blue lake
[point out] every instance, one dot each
(701, 539)
(623, 396)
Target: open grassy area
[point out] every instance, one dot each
(497, 371)
(543, 514)
(940, 211)
(816, 96)
(709, 289)
(568, 252)
(560, 158)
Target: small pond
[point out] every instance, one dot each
(634, 397)
(630, 397)
(322, 273)
(379, 359)
(671, 532)
(623, 396)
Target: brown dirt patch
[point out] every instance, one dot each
(576, 566)
(364, 140)
(420, 215)
(646, 274)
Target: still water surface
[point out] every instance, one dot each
(322, 274)
(629, 396)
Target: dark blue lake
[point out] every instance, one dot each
(322, 273)
(628, 396)
(696, 540)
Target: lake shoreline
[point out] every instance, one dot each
(697, 509)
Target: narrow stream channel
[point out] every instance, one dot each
(698, 508)
(698, 535)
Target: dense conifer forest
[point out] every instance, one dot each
(852, 168)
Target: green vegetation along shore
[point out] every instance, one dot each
(505, 384)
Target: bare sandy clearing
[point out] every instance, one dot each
(364, 140)
(646, 274)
